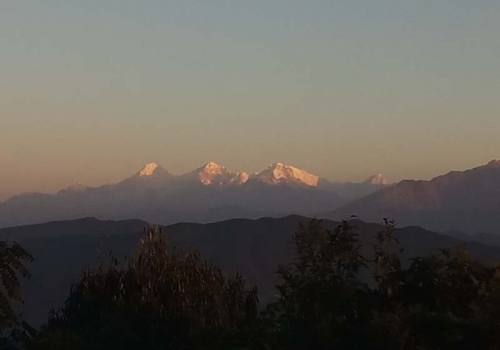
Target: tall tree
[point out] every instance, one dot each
(322, 298)
(333, 296)
(157, 300)
(13, 260)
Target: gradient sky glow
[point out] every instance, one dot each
(92, 89)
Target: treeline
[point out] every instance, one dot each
(336, 294)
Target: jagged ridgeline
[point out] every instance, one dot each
(210, 193)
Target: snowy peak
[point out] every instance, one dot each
(282, 173)
(210, 172)
(377, 179)
(215, 174)
(212, 168)
(148, 169)
(152, 172)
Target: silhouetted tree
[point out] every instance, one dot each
(336, 294)
(158, 300)
(323, 302)
(446, 298)
(388, 328)
(13, 259)
(329, 300)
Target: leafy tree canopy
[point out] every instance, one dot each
(157, 300)
(13, 260)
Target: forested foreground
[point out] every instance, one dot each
(337, 294)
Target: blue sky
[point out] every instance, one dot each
(90, 90)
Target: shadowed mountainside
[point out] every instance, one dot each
(466, 201)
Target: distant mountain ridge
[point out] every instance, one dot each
(466, 201)
(210, 193)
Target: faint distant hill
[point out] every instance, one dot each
(255, 248)
(466, 201)
(209, 193)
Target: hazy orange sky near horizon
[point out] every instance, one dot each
(91, 90)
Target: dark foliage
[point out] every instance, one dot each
(158, 300)
(445, 301)
(321, 297)
(337, 294)
(13, 259)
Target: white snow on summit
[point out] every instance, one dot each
(214, 174)
(149, 169)
(282, 173)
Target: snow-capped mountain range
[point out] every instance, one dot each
(466, 201)
(213, 174)
(211, 192)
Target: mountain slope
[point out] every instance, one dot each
(354, 190)
(467, 201)
(255, 248)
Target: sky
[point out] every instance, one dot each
(90, 90)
